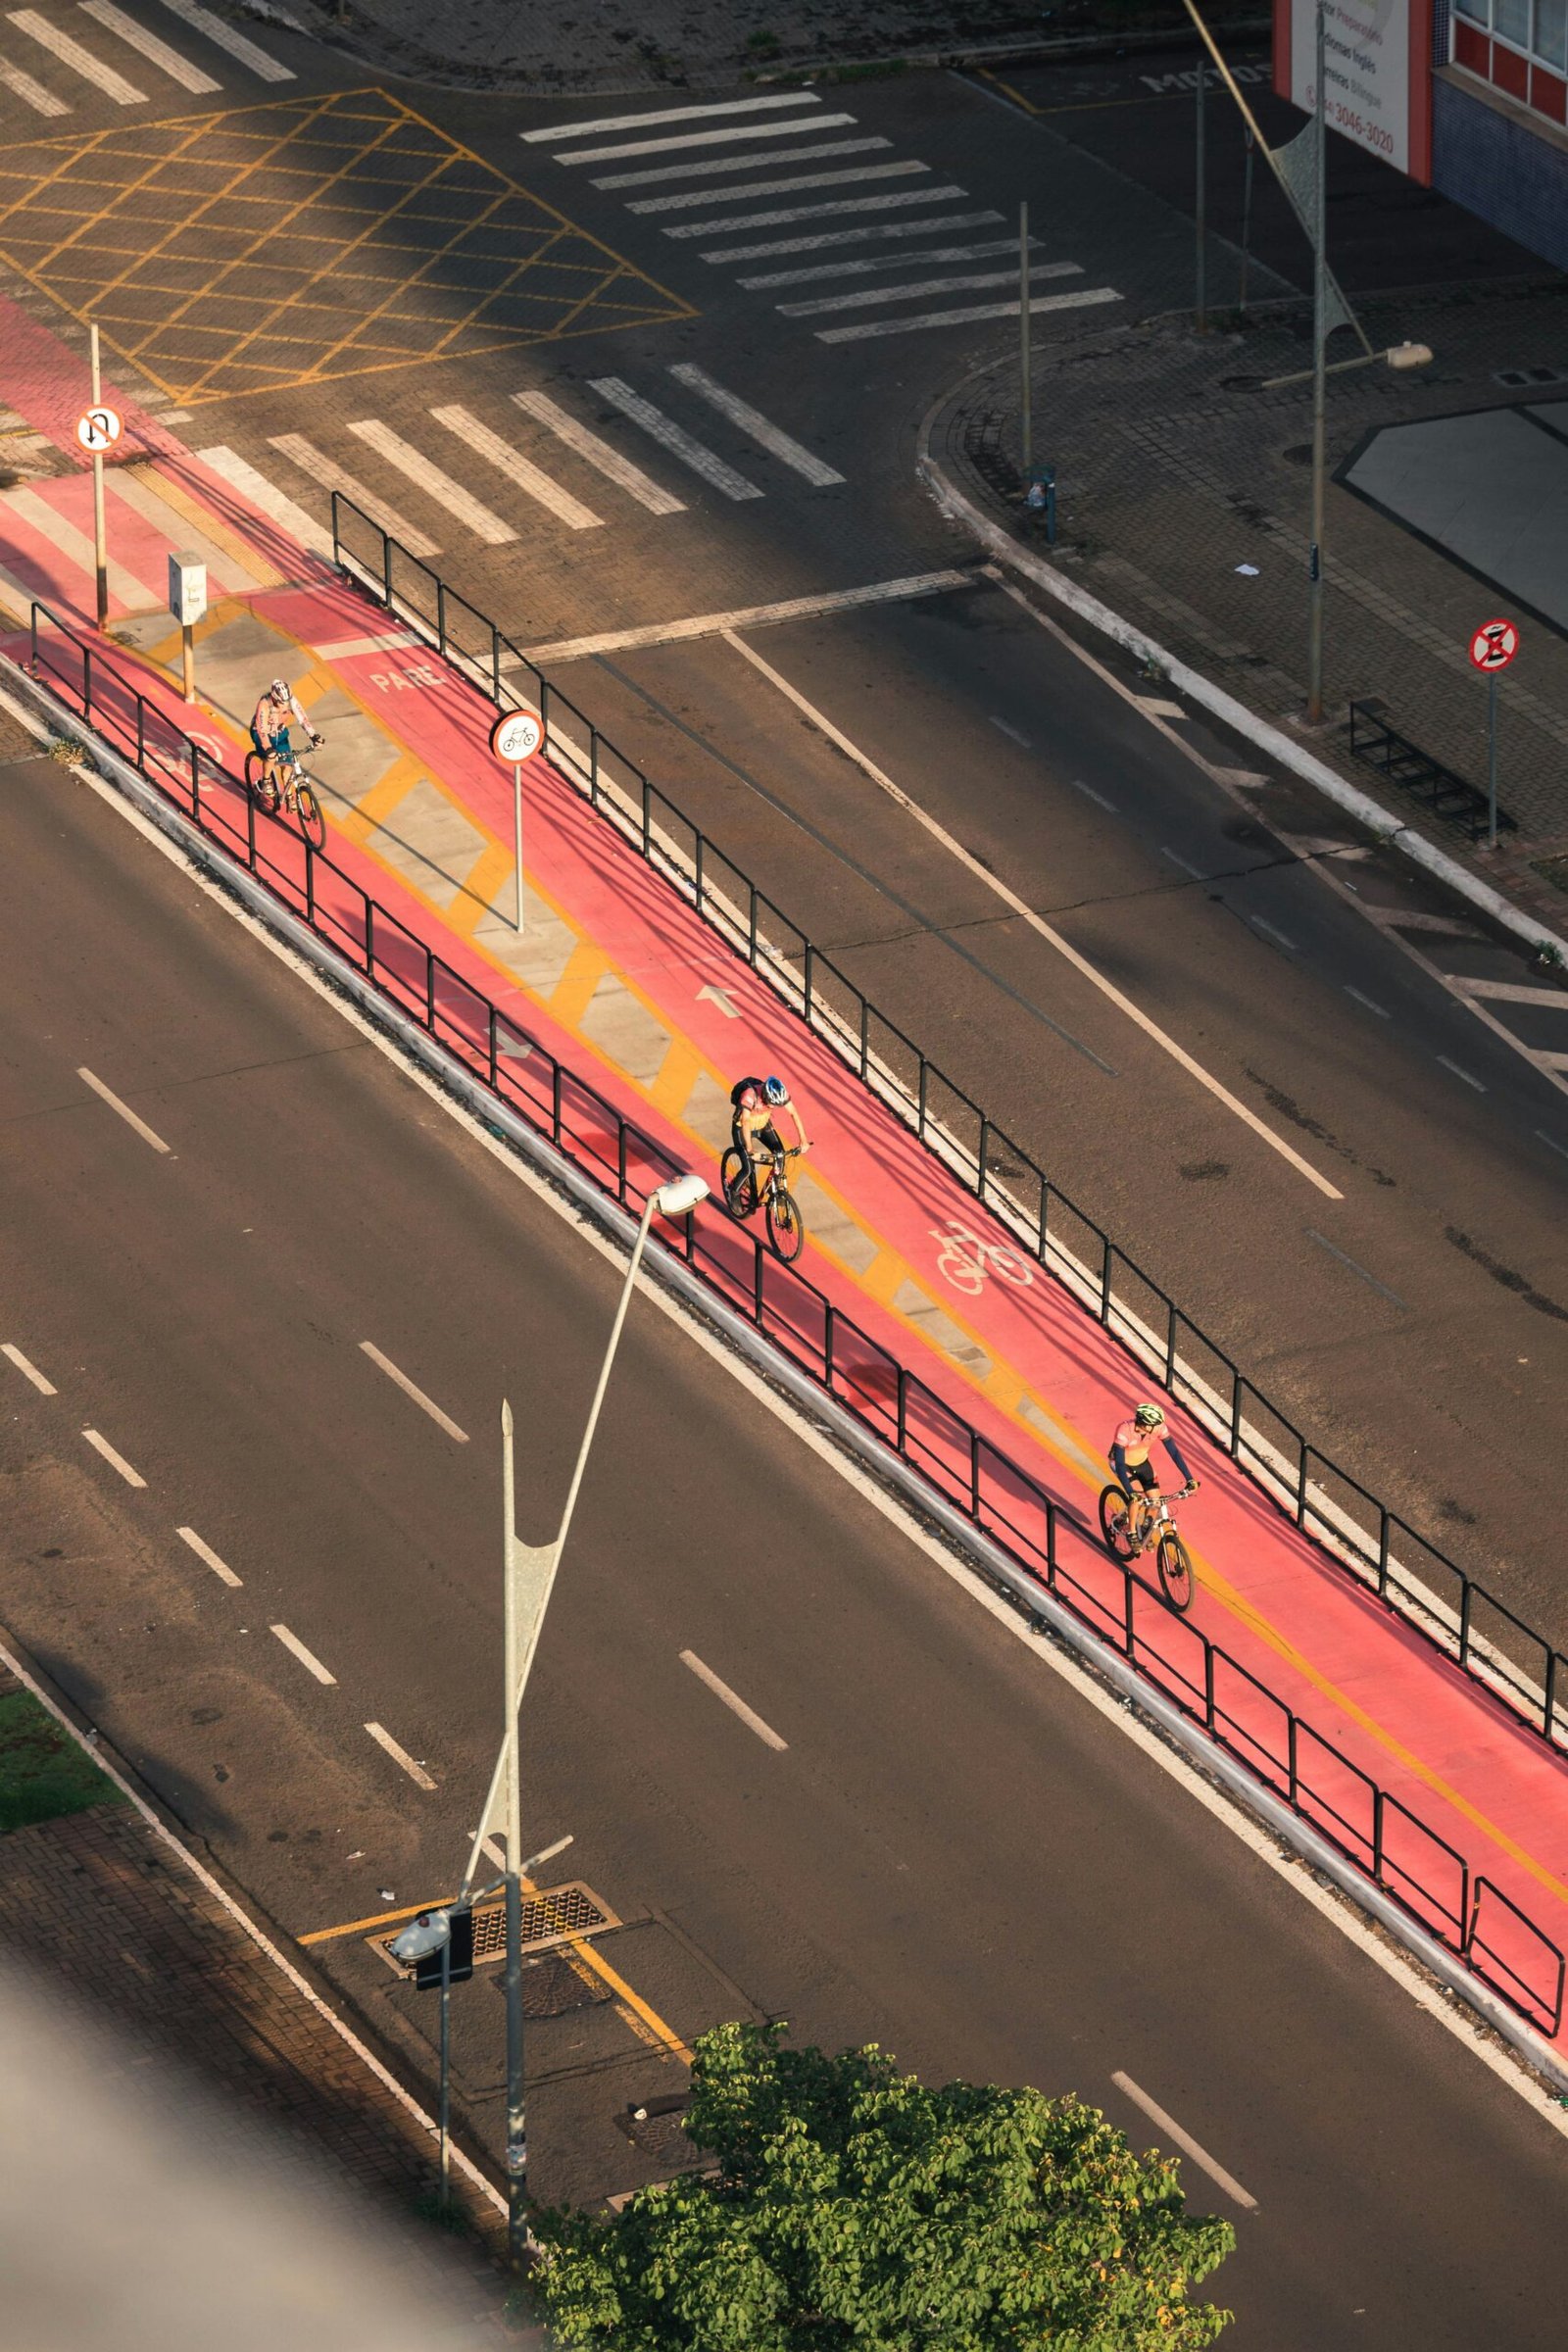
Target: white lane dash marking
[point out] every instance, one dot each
(1090, 794)
(1462, 1073)
(715, 167)
(1370, 1003)
(530, 478)
(204, 1551)
(426, 1404)
(598, 454)
(115, 1461)
(1185, 864)
(1185, 2141)
(667, 114)
(305, 1657)
(159, 53)
(45, 1387)
(226, 36)
(1510, 991)
(1353, 1264)
(1003, 728)
(1159, 710)
(435, 482)
(853, 175)
(751, 420)
(707, 138)
(736, 1705)
(126, 1113)
(398, 1756)
(80, 60)
(1270, 931)
(1540, 1134)
(754, 616)
(674, 437)
(32, 93)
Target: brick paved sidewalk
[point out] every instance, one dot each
(1172, 474)
(116, 1916)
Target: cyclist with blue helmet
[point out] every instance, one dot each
(754, 1105)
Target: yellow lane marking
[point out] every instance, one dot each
(378, 1919)
(682, 1066)
(480, 886)
(371, 811)
(243, 557)
(574, 992)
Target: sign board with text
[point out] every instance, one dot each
(1377, 74)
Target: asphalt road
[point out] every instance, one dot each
(955, 1853)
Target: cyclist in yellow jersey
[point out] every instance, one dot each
(1129, 1452)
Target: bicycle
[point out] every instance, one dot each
(743, 1196)
(273, 779)
(1131, 1528)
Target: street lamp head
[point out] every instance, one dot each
(428, 1933)
(680, 1195)
(1409, 355)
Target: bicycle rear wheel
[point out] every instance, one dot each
(738, 1182)
(312, 824)
(786, 1227)
(1175, 1570)
(1117, 1523)
(260, 780)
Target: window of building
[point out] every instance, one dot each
(1520, 46)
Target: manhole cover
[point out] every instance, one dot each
(551, 1987)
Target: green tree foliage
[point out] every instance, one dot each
(854, 2210)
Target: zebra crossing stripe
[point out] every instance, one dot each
(714, 165)
(223, 34)
(984, 310)
(752, 420)
(517, 468)
(850, 236)
(159, 53)
(855, 177)
(863, 296)
(598, 454)
(32, 93)
(668, 114)
(870, 265)
(332, 476)
(707, 138)
(269, 500)
(671, 436)
(814, 211)
(72, 52)
(428, 475)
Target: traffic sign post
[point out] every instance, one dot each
(515, 737)
(187, 602)
(97, 431)
(1492, 649)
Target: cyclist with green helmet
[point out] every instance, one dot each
(1129, 1452)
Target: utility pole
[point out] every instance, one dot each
(1321, 296)
(1201, 285)
(516, 2121)
(1025, 372)
(1246, 214)
(100, 544)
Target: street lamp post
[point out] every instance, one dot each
(530, 1575)
(1320, 343)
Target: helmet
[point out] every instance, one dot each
(1149, 1416)
(776, 1090)
(281, 690)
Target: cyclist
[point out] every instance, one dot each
(270, 724)
(754, 1102)
(1129, 1452)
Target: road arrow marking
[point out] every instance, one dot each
(720, 998)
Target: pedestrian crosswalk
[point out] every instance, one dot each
(97, 49)
(705, 167)
(443, 476)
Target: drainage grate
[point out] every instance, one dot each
(553, 1916)
(1520, 380)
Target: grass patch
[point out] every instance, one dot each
(43, 1773)
(1553, 871)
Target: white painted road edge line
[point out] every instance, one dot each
(1184, 2140)
(1046, 931)
(45, 1387)
(754, 616)
(115, 1461)
(1399, 1951)
(1273, 741)
(219, 1894)
(305, 1657)
(1477, 1083)
(736, 1705)
(204, 1551)
(426, 1404)
(106, 1095)
(398, 1756)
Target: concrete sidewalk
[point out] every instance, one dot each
(1183, 506)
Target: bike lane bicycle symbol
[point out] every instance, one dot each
(965, 1261)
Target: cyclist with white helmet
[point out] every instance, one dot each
(270, 724)
(1129, 1452)
(753, 1105)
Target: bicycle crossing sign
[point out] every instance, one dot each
(516, 736)
(98, 429)
(1494, 645)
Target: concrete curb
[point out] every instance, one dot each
(1268, 739)
(888, 1470)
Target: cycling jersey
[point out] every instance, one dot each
(271, 718)
(758, 1087)
(1129, 1452)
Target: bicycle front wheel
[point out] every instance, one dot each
(1175, 1570)
(786, 1227)
(312, 824)
(1117, 1523)
(738, 1183)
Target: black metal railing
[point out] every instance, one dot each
(1048, 1542)
(1449, 795)
(1360, 1532)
